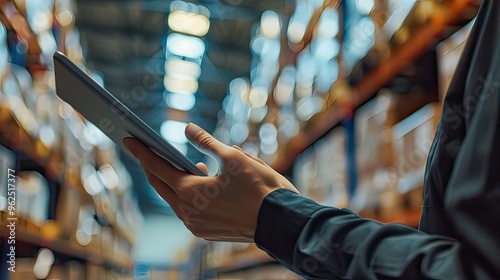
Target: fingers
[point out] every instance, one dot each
(154, 163)
(161, 188)
(205, 142)
(203, 167)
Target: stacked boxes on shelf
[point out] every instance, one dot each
(321, 172)
(74, 194)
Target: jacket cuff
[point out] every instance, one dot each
(282, 216)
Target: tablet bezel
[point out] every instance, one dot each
(118, 110)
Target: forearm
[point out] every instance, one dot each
(321, 242)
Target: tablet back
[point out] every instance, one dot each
(107, 113)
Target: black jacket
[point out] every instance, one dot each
(459, 235)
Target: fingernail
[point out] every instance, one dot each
(192, 131)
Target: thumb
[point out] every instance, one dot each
(205, 142)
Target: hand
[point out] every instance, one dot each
(219, 208)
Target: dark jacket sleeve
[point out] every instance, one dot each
(320, 242)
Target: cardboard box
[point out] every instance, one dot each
(24, 269)
(412, 140)
(67, 212)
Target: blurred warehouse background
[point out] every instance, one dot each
(342, 97)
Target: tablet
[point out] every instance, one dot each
(111, 116)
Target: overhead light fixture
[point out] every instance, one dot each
(65, 18)
(268, 134)
(300, 19)
(188, 23)
(108, 176)
(47, 43)
(173, 131)
(41, 21)
(257, 115)
(283, 91)
(190, 8)
(239, 133)
(176, 66)
(185, 46)
(178, 84)
(258, 97)
(296, 31)
(270, 24)
(308, 107)
(325, 49)
(43, 263)
(183, 148)
(180, 101)
(365, 7)
(90, 180)
(328, 26)
(239, 86)
(288, 124)
(327, 76)
(270, 149)
(251, 148)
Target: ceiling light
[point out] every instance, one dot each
(91, 182)
(328, 24)
(251, 148)
(284, 88)
(268, 134)
(308, 107)
(183, 67)
(289, 126)
(364, 7)
(238, 86)
(183, 148)
(257, 115)
(222, 134)
(65, 18)
(268, 69)
(189, 23)
(180, 84)
(185, 46)
(47, 43)
(43, 264)
(180, 101)
(173, 131)
(258, 97)
(41, 21)
(327, 76)
(190, 8)
(47, 135)
(325, 49)
(267, 49)
(296, 32)
(108, 176)
(270, 24)
(270, 149)
(82, 238)
(300, 20)
(239, 133)
(258, 44)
